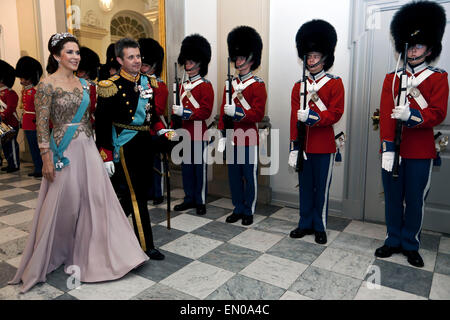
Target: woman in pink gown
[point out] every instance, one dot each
(78, 219)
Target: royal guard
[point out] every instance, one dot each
(29, 71)
(196, 104)
(111, 67)
(124, 116)
(8, 115)
(152, 55)
(247, 108)
(317, 103)
(413, 101)
(88, 69)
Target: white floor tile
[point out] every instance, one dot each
(121, 289)
(17, 218)
(289, 295)
(383, 293)
(198, 279)
(42, 291)
(274, 270)
(288, 214)
(10, 233)
(25, 183)
(370, 230)
(191, 246)
(444, 246)
(440, 288)
(256, 240)
(15, 262)
(223, 203)
(429, 259)
(29, 204)
(186, 222)
(12, 192)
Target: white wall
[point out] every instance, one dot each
(285, 69)
(48, 26)
(201, 18)
(10, 30)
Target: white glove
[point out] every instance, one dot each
(109, 166)
(221, 145)
(401, 112)
(302, 115)
(229, 109)
(293, 158)
(177, 110)
(168, 133)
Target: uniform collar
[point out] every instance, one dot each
(418, 68)
(316, 76)
(26, 88)
(245, 77)
(128, 76)
(195, 78)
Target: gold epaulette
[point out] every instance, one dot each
(107, 88)
(153, 82)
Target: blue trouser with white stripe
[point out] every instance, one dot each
(242, 175)
(158, 179)
(314, 183)
(11, 151)
(34, 150)
(195, 174)
(405, 202)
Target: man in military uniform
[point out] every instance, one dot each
(8, 115)
(421, 25)
(152, 62)
(29, 71)
(196, 103)
(316, 40)
(124, 116)
(246, 110)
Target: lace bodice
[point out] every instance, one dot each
(60, 107)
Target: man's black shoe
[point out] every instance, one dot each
(414, 258)
(201, 209)
(154, 254)
(320, 237)
(300, 233)
(247, 220)
(158, 200)
(234, 217)
(9, 170)
(386, 251)
(184, 206)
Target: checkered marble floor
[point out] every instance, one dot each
(207, 258)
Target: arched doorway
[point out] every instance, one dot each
(130, 24)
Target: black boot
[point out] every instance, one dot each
(414, 258)
(234, 217)
(201, 209)
(386, 251)
(184, 206)
(300, 233)
(247, 219)
(320, 237)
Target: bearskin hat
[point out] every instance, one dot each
(111, 60)
(245, 41)
(419, 22)
(319, 36)
(198, 49)
(30, 69)
(152, 54)
(7, 74)
(89, 62)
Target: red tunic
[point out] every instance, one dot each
(9, 115)
(29, 113)
(160, 95)
(204, 95)
(256, 96)
(320, 136)
(417, 140)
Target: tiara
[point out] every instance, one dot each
(59, 36)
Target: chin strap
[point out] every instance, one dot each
(319, 62)
(247, 61)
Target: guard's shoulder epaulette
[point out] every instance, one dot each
(107, 88)
(258, 79)
(434, 69)
(329, 75)
(205, 80)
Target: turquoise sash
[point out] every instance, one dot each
(139, 118)
(58, 158)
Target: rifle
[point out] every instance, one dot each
(401, 99)
(176, 120)
(227, 120)
(167, 174)
(301, 127)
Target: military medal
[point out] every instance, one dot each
(315, 97)
(136, 89)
